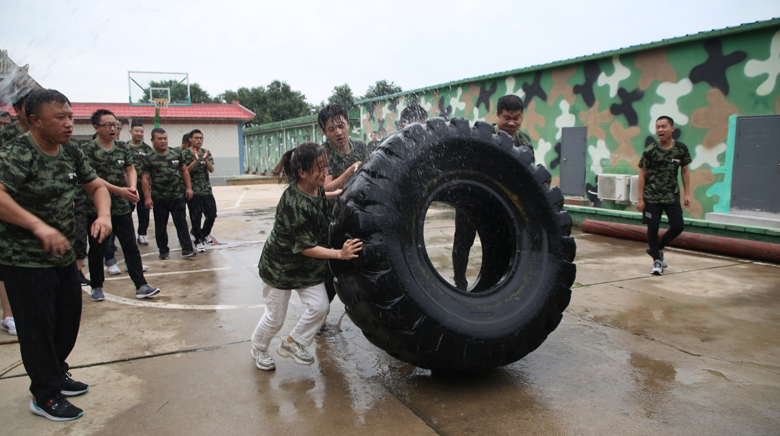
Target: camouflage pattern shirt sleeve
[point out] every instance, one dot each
(199, 175)
(9, 133)
(301, 222)
(662, 169)
(45, 186)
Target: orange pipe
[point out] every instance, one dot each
(763, 251)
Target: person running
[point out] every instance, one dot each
(659, 191)
(199, 164)
(113, 163)
(140, 151)
(40, 173)
(294, 257)
(166, 186)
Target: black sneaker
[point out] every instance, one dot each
(72, 388)
(187, 255)
(164, 256)
(84, 281)
(56, 409)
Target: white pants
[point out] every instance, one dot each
(276, 301)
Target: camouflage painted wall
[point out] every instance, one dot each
(265, 145)
(700, 81)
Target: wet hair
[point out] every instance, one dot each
(664, 117)
(137, 123)
(302, 157)
(509, 103)
(193, 132)
(413, 113)
(185, 139)
(37, 99)
(98, 114)
(94, 135)
(157, 130)
(331, 112)
(19, 97)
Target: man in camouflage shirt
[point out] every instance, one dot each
(40, 173)
(199, 164)
(344, 153)
(659, 190)
(113, 163)
(140, 151)
(509, 112)
(5, 119)
(21, 126)
(166, 184)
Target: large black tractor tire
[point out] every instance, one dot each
(392, 291)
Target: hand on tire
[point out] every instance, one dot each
(351, 246)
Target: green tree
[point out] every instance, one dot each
(254, 99)
(284, 103)
(342, 96)
(179, 92)
(382, 87)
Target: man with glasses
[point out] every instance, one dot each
(113, 163)
(200, 163)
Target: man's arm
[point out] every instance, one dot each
(186, 175)
(686, 179)
(53, 241)
(101, 228)
(128, 194)
(146, 185)
(209, 165)
(640, 187)
(339, 182)
(194, 162)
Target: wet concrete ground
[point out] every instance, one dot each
(695, 351)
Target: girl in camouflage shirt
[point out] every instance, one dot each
(295, 256)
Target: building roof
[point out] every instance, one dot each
(200, 111)
(774, 22)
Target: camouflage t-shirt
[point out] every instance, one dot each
(110, 166)
(338, 162)
(519, 140)
(662, 167)
(140, 152)
(301, 222)
(165, 173)
(199, 174)
(44, 186)
(10, 132)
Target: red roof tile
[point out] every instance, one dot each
(199, 111)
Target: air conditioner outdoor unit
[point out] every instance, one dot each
(614, 187)
(634, 189)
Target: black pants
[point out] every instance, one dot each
(465, 233)
(47, 311)
(143, 212)
(652, 217)
(200, 205)
(125, 233)
(174, 208)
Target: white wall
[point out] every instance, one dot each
(221, 137)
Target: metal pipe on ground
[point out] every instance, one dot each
(762, 251)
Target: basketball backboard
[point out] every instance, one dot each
(146, 87)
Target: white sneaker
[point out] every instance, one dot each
(262, 359)
(208, 240)
(8, 325)
(144, 268)
(142, 240)
(294, 350)
(657, 269)
(113, 270)
(199, 248)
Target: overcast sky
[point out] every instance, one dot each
(85, 48)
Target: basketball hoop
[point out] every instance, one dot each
(160, 103)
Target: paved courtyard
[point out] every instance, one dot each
(695, 351)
